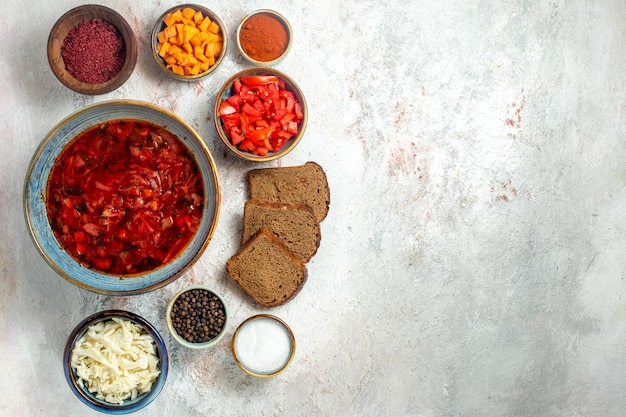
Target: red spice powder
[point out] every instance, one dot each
(93, 51)
(263, 37)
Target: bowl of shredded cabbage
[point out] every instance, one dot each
(115, 362)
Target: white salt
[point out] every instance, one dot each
(263, 345)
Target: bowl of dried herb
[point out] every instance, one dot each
(92, 49)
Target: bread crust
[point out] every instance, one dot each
(302, 184)
(236, 267)
(294, 225)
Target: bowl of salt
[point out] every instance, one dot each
(263, 346)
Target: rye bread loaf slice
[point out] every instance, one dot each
(294, 225)
(304, 184)
(266, 270)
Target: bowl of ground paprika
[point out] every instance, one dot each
(264, 37)
(92, 49)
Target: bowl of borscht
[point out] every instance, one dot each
(122, 197)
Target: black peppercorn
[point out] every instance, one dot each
(198, 315)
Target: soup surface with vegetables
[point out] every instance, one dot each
(125, 197)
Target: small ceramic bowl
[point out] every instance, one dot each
(39, 174)
(62, 28)
(263, 346)
(89, 398)
(170, 319)
(263, 25)
(160, 56)
(227, 90)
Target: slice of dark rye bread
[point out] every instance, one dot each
(266, 270)
(294, 225)
(304, 184)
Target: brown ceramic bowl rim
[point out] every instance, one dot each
(57, 65)
(282, 20)
(158, 26)
(292, 87)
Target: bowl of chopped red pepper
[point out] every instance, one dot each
(122, 197)
(260, 114)
(92, 49)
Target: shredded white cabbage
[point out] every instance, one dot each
(116, 360)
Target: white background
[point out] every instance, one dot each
(473, 260)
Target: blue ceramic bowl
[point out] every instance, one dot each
(35, 198)
(90, 399)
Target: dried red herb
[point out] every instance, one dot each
(93, 51)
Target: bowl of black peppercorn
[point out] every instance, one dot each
(197, 317)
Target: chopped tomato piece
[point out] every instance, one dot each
(79, 236)
(259, 137)
(286, 119)
(81, 248)
(261, 123)
(282, 134)
(245, 125)
(235, 135)
(260, 150)
(226, 108)
(292, 127)
(103, 264)
(247, 145)
(250, 110)
(231, 120)
(272, 93)
(237, 85)
(279, 114)
(252, 80)
(298, 111)
(234, 100)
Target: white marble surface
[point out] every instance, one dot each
(473, 261)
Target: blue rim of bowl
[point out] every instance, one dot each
(184, 342)
(227, 88)
(89, 399)
(159, 25)
(35, 205)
